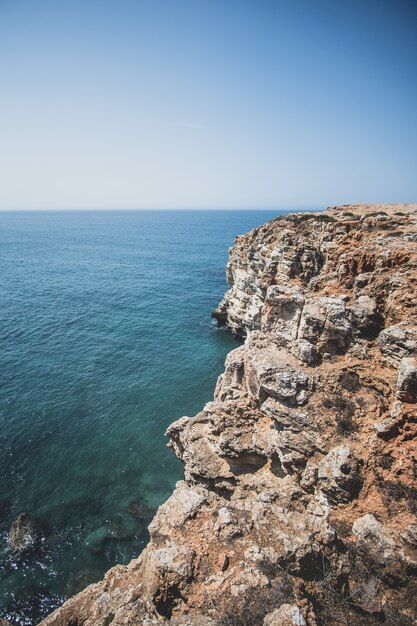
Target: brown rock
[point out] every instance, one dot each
(223, 561)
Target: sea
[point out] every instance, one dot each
(106, 338)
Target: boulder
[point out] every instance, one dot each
(287, 384)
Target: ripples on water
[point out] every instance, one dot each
(106, 338)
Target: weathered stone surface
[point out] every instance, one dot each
(299, 485)
(339, 475)
(324, 328)
(366, 318)
(397, 342)
(382, 548)
(177, 510)
(286, 615)
(407, 380)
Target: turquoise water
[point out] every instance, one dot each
(106, 338)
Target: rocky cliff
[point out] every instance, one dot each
(299, 499)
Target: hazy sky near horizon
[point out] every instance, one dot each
(207, 104)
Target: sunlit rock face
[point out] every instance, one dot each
(299, 499)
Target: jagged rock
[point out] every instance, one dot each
(282, 312)
(229, 384)
(288, 385)
(410, 536)
(167, 572)
(269, 374)
(361, 281)
(309, 478)
(192, 620)
(186, 620)
(23, 535)
(286, 615)
(324, 328)
(176, 511)
(339, 475)
(381, 547)
(397, 342)
(407, 380)
(386, 427)
(365, 317)
(247, 577)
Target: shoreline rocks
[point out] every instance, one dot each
(299, 501)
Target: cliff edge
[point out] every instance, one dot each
(299, 500)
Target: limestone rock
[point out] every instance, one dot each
(339, 475)
(286, 615)
(167, 572)
(366, 318)
(187, 502)
(397, 342)
(324, 327)
(407, 380)
(381, 546)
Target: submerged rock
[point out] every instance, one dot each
(140, 510)
(23, 535)
(96, 539)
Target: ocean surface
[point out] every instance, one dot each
(105, 339)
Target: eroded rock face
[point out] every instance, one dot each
(299, 499)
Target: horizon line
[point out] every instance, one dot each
(133, 209)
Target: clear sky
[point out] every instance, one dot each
(207, 103)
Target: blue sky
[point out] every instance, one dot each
(207, 103)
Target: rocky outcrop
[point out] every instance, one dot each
(299, 500)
